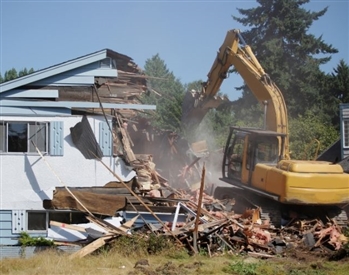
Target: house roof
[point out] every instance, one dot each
(59, 68)
(120, 81)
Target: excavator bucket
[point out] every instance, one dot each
(194, 108)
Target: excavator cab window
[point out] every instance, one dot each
(245, 148)
(266, 150)
(235, 157)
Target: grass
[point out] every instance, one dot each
(165, 258)
(170, 263)
(115, 263)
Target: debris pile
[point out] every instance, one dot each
(211, 225)
(188, 214)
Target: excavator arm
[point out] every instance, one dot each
(197, 104)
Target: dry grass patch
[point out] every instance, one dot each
(113, 262)
(161, 256)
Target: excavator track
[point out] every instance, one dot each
(279, 214)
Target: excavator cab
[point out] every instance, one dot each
(245, 148)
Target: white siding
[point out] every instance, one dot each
(26, 179)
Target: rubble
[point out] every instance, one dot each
(212, 230)
(188, 214)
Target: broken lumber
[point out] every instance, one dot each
(91, 247)
(68, 226)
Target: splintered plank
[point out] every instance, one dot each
(91, 247)
(127, 225)
(68, 226)
(126, 141)
(105, 225)
(200, 146)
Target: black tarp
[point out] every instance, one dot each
(84, 139)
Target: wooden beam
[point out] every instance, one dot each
(91, 247)
(68, 226)
(140, 200)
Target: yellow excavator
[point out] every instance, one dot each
(257, 162)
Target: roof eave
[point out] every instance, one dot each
(53, 70)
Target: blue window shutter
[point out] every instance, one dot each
(56, 138)
(105, 139)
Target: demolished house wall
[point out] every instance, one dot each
(62, 95)
(27, 180)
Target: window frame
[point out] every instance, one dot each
(29, 125)
(269, 149)
(67, 216)
(28, 212)
(345, 133)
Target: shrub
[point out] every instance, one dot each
(144, 245)
(26, 240)
(241, 268)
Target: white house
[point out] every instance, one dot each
(37, 112)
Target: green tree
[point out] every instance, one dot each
(340, 82)
(214, 127)
(194, 85)
(220, 121)
(305, 133)
(335, 91)
(12, 74)
(248, 111)
(292, 57)
(166, 92)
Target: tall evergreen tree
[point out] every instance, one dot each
(194, 85)
(336, 91)
(340, 82)
(166, 92)
(289, 54)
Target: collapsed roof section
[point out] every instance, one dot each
(104, 79)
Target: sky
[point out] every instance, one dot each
(185, 34)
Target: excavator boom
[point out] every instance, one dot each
(197, 104)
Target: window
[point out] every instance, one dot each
(36, 220)
(39, 220)
(235, 157)
(346, 133)
(2, 136)
(23, 137)
(69, 217)
(17, 137)
(267, 150)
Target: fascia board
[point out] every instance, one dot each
(54, 70)
(31, 93)
(73, 104)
